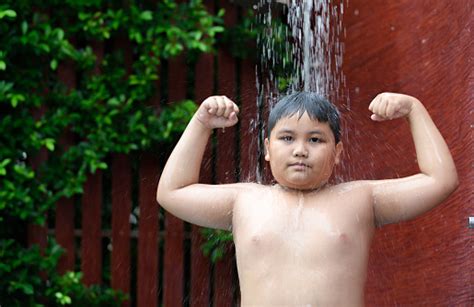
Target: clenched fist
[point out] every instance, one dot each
(388, 106)
(217, 112)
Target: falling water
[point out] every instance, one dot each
(300, 49)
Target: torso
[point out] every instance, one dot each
(296, 248)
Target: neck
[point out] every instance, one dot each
(305, 191)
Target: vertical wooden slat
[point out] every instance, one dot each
(91, 245)
(248, 124)
(226, 164)
(200, 265)
(148, 224)
(121, 201)
(121, 208)
(37, 234)
(64, 219)
(64, 232)
(174, 249)
(147, 279)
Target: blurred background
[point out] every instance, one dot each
(94, 94)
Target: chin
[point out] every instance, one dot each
(301, 186)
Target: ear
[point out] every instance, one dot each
(339, 150)
(267, 152)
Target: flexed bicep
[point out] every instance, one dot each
(203, 204)
(403, 199)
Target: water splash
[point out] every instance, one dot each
(301, 48)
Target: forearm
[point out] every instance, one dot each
(433, 155)
(183, 166)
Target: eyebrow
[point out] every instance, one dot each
(309, 132)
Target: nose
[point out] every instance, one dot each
(300, 150)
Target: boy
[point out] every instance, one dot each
(302, 241)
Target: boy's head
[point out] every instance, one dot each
(303, 143)
(317, 107)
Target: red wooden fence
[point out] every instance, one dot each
(422, 48)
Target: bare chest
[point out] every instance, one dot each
(303, 228)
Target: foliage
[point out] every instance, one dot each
(28, 287)
(216, 243)
(104, 109)
(241, 38)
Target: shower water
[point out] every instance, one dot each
(300, 48)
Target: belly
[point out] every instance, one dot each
(300, 267)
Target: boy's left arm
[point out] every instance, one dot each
(403, 199)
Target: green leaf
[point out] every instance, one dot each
(15, 99)
(7, 13)
(53, 64)
(24, 27)
(146, 15)
(59, 34)
(3, 164)
(49, 143)
(3, 65)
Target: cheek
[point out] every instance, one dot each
(326, 161)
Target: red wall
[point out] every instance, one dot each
(422, 48)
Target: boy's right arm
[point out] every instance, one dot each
(178, 190)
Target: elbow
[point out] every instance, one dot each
(454, 184)
(450, 184)
(161, 194)
(165, 195)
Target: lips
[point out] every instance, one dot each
(300, 165)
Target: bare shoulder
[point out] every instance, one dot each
(354, 188)
(249, 188)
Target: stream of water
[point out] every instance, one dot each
(300, 48)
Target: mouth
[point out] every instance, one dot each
(299, 165)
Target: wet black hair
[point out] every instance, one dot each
(314, 104)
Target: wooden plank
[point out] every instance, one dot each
(148, 224)
(121, 200)
(64, 218)
(91, 241)
(200, 265)
(64, 231)
(121, 208)
(249, 133)
(147, 271)
(173, 274)
(224, 278)
(91, 244)
(226, 164)
(37, 234)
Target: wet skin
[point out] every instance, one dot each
(301, 242)
(303, 248)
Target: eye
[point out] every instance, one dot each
(286, 138)
(315, 140)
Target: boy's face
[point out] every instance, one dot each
(302, 152)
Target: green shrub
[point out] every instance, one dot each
(105, 112)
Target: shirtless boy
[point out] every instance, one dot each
(303, 241)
